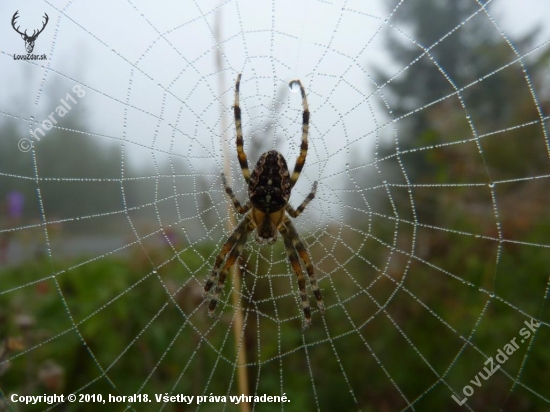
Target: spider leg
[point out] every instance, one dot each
(297, 267)
(241, 209)
(304, 255)
(243, 161)
(228, 245)
(305, 130)
(228, 263)
(309, 198)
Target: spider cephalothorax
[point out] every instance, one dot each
(267, 210)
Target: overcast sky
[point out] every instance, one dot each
(164, 94)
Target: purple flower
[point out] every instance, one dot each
(14, 203)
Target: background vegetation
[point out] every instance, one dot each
(108, 321)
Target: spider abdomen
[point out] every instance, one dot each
(269, 188)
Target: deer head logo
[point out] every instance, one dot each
(29, 40)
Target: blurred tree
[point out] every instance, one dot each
(455, 44)
(467, 114)
(79, 173)
(457, 47)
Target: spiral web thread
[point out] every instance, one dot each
(184, 123)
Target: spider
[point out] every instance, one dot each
(267, 210)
